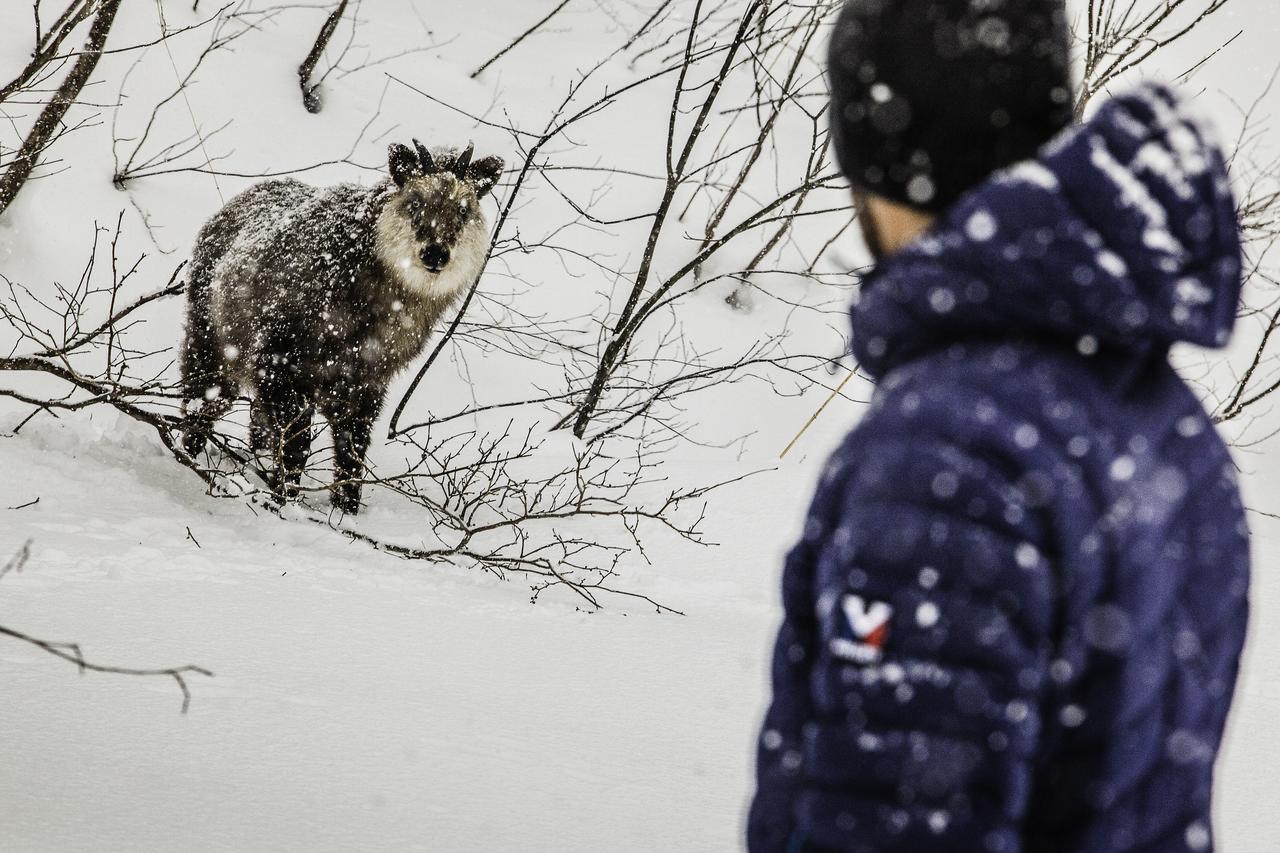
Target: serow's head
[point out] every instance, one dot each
(438, 197)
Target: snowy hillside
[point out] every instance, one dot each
(361, 701)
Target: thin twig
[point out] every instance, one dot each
(524, 35)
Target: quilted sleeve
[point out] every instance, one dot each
(909, 668)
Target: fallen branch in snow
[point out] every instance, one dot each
(72, 653)
(310, 92)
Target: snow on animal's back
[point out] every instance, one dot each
(338, 267)
(246, 236)
(251, 221)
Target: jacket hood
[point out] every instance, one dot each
(1121, 233)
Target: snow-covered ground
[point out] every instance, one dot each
(360, 702)
(365, 702)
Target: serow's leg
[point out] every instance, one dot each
(295, 447)
(200, 417)
(205, 389)
(352, 428)
(260, 430)
(285, 422)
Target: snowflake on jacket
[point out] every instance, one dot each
(1015, 617)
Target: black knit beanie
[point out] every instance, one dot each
(929, 97)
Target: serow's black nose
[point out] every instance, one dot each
(434, 258)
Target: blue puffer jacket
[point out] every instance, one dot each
(1015, 617)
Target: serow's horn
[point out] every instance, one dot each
(464, 161)
(424, 157)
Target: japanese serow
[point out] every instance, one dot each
(311, 299)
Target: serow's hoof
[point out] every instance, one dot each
(193, 442)
(283, 488)
(346, 502)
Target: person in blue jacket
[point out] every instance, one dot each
(1015, 617)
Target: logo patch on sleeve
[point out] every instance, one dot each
(861, 637)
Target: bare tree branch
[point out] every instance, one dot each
(524, 35)
(46, 126)
(310, 93)
(71, 651)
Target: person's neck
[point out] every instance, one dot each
(899, 226)
(895, 226)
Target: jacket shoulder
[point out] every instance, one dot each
(997, 399)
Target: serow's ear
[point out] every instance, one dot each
(402, 163)
(484, 173)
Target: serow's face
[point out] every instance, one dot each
(437, 208)
(439, 197)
